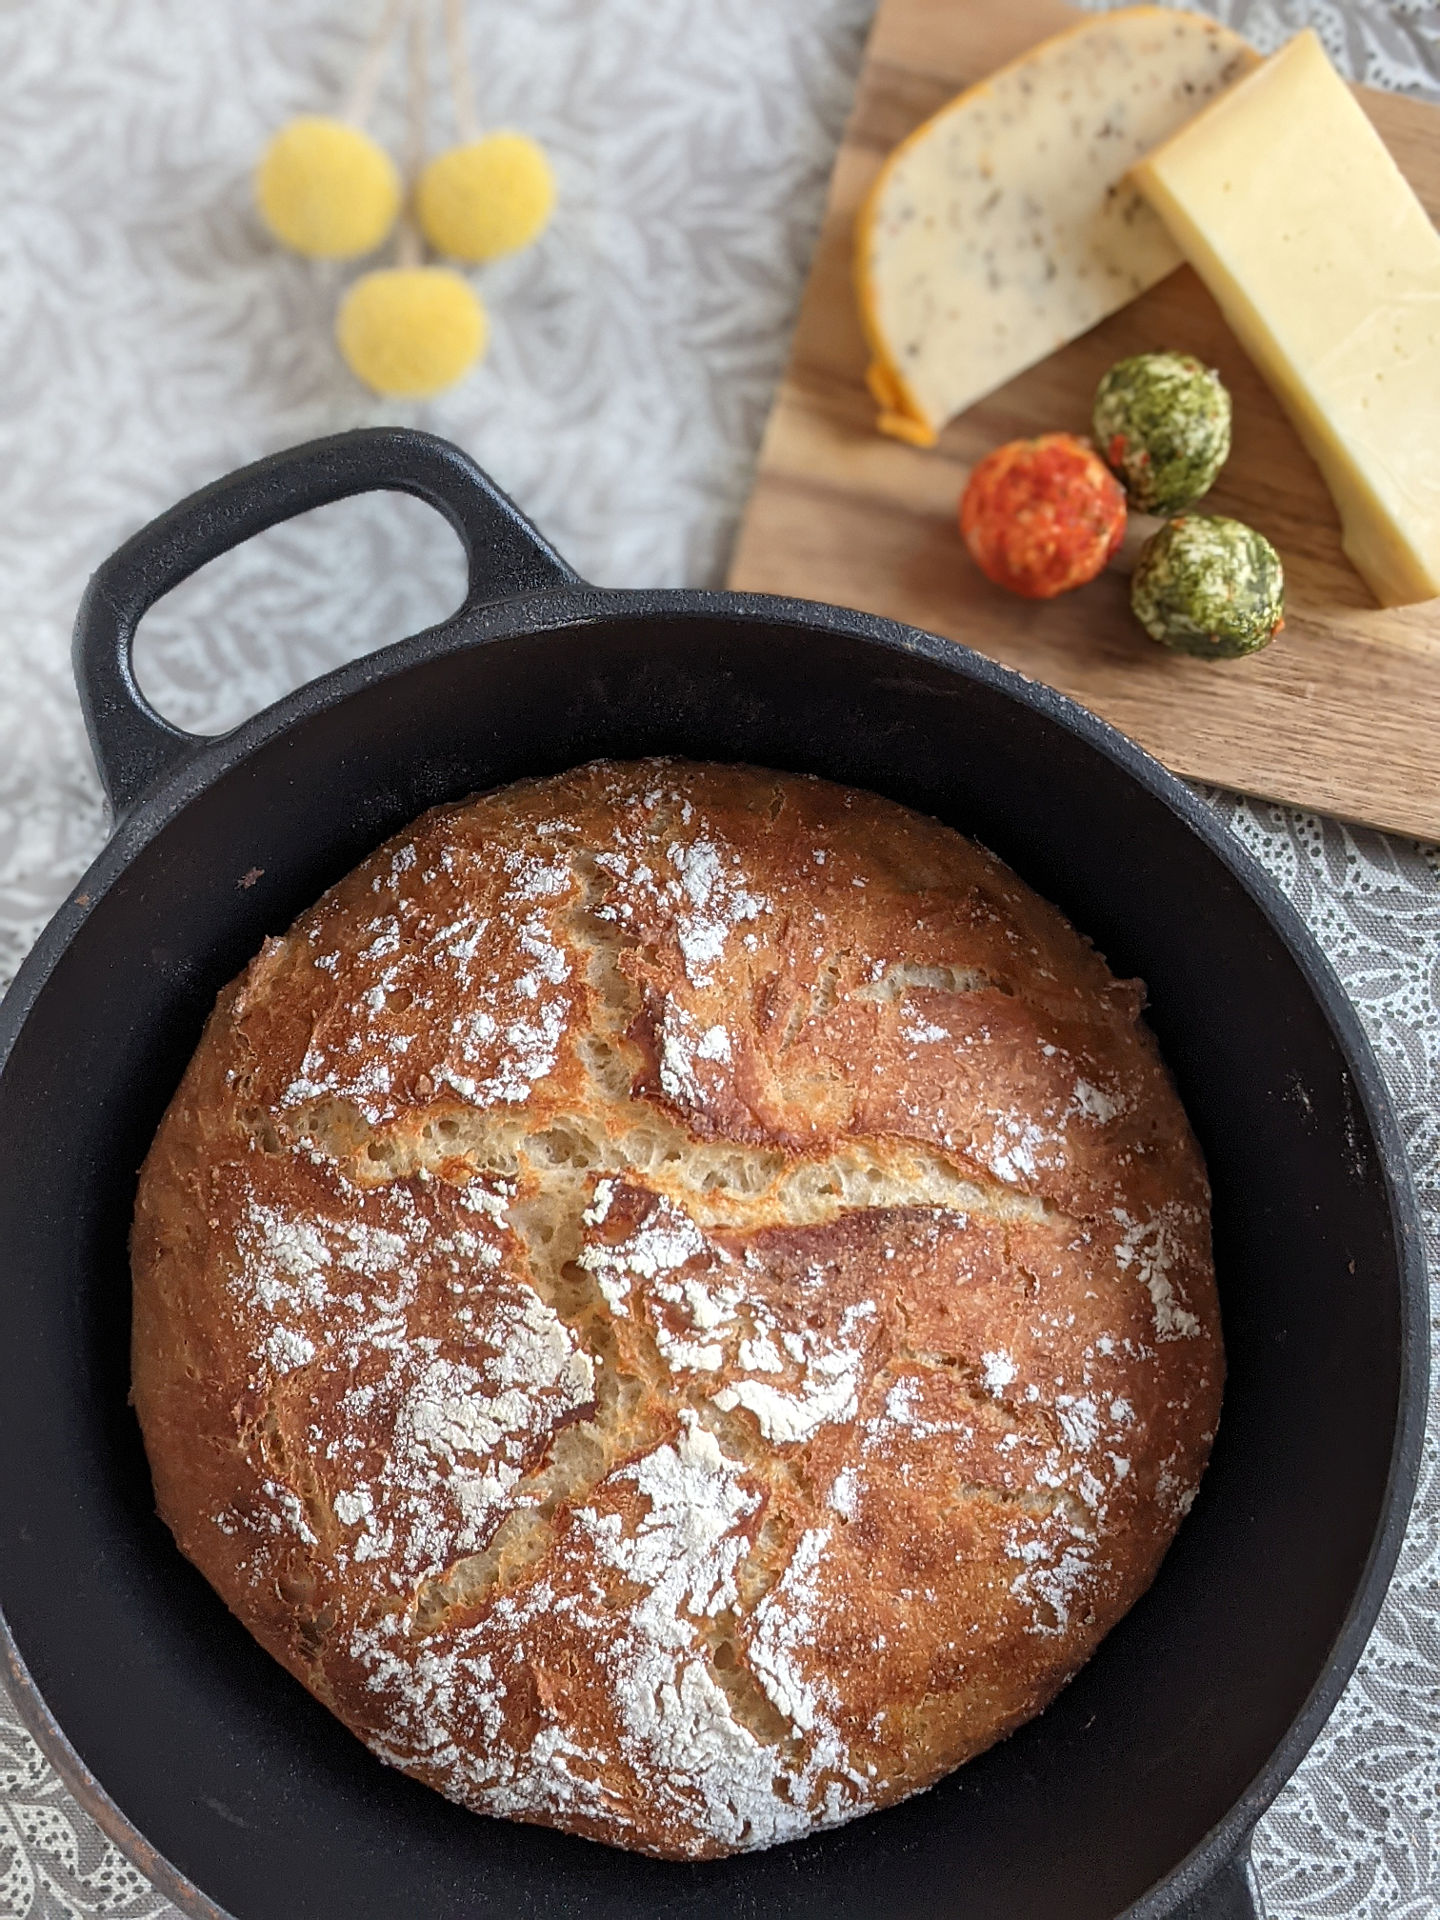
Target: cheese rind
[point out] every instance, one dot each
(1287, 203)
(1003, 227)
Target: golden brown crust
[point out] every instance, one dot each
(678, 1301)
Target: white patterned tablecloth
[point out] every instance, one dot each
(151, 338)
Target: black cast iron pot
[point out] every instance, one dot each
(1137, 1790)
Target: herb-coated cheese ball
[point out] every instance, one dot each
(1162, 420)
(1209, 586)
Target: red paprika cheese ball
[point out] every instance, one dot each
(1042, 516)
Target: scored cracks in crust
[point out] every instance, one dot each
(658, 1240)
(733, 1187)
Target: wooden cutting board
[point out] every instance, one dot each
(1341, 712)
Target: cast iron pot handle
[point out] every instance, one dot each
(133, 745)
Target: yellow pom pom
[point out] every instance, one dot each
(327, 189)
(409, 331)
(489, 197)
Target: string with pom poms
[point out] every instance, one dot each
(327, 189)
(489, 195)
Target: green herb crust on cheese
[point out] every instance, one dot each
(1162, 421)
(1209, 586)
(1005, 226)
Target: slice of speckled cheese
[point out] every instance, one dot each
(1003, 227)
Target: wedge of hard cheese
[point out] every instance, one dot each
(1003, 227)
(1288, 205)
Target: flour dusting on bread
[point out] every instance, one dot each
(678, 1301)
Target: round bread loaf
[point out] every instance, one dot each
(677, 1300)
